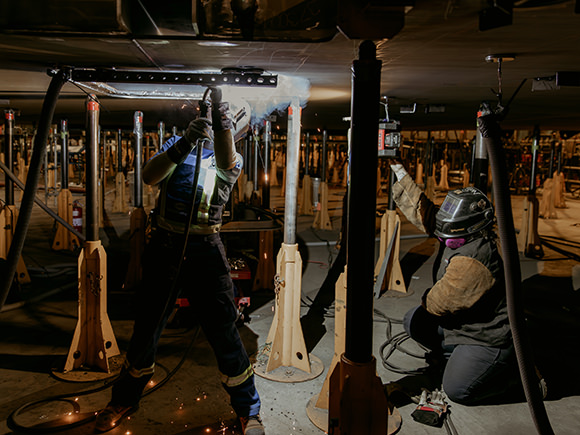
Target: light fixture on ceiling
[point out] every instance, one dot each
(217, 44)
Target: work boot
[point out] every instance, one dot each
(111, 416)
(252, 425)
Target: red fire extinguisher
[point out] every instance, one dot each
(77, 214)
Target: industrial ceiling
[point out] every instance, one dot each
(439, 58)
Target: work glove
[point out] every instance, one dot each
(197, 129)
(220, 111)
(432, 408)
(398, 168)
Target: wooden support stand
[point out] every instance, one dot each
(528, 239)
(317, 407)
(547, 206)
(444, 180)
(285, 358)
(465, 179)
(321, 217)
(64, 239)
(266, 270)
(430, 187)
(137, 243)
(8, 219)
(120, 201)
(306, 200)
(559, 190)
(419, 174)
(389, 246)
(94, 341)
(358, 401)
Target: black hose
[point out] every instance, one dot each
(38, 153)
(512, 274)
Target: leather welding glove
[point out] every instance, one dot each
(197, 129)
(220, 111)
(222, 124)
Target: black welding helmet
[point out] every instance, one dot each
(464, 212)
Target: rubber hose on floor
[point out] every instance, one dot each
(512, 272)
(27, 203)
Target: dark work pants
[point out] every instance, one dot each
(205, 281)
(473, 373)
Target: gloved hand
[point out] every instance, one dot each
(197, 129)
(398, 168)
(488, 126)
(220, 111)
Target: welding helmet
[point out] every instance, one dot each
(463, 213)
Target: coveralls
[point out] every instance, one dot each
(463, 317)
(203, 278)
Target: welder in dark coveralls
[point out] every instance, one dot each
(463, 317)
(197, 265)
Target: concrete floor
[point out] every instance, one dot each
(39, 321)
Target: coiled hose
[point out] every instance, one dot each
(492, 140)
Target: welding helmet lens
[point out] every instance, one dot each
(464, 212)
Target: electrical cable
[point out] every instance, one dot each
(15, 426)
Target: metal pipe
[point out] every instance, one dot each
(292, 158)
(366, 81)
(8, 139)
(267, 138)
(307, 155)
(161, 128)
(255, 153)
(92, 164)
(27, 203)
(64, 154)
(535, 149)
(119, 150)
(323, 166)
(138, 132)
(392, 179)
(552, 157)
(480, 162)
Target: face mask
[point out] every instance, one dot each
(453, 243)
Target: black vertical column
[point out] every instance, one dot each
(138, 134)
(92, 162)
(324, 151)
(119, 151)
(535, 149)
(552, 157)
(267, 138)
(307, 155)
(64, 154)
(366, 76)
(8, 142)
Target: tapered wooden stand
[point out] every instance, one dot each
(317, 407)
(353, 386)
(93, 341)
(389, 245)
(137, 244)
(8, 219)
(321, 217)
(264, 277)
(528, 239)
(64, 239)
(285, 358)
(120, 201)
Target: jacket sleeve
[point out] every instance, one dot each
(414, 204)
(465, 282)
